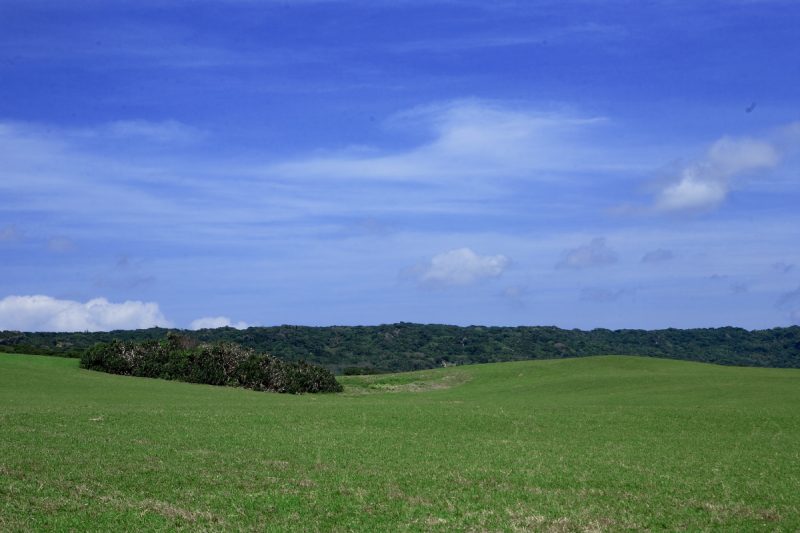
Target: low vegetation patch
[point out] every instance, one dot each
(183, 359)
(420, 381)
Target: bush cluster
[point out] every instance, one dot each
(181, 358)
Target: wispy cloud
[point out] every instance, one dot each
(470, 139)
(739, 287)
(515, 292)
(782, 267)
(790, 300)
(127, 273)
(66, 171)
(589, 32)
(658, 256)
(60, 244)
(149, 45)
(166, 131)
(9, 233)
(595, 253)
(602, 295)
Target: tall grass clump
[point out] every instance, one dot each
(183, 359)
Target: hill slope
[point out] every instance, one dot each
(602, 443)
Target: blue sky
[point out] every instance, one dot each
(580, 164)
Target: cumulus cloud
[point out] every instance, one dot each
(596, 253)
(44, 313)
(704, 184)
(461, 266)
(213, 322)
(657, 256)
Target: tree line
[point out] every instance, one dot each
(406, 346)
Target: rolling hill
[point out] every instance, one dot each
(586, 444)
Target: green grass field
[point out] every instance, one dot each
(594, 444)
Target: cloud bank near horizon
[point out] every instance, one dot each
(45, 313)
(213, 322)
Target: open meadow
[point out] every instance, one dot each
(591, 444)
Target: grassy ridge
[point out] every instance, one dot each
(607, 443)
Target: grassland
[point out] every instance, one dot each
(605, 443)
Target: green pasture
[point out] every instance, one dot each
(591, 444)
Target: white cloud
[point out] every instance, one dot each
(596, 253)
(212, 322)
(44, 313)
(461, 266)
(705, 184)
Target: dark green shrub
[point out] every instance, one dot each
(107, 358)
(214, 364)
(264, 372)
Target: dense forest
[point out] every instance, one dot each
(405, 346)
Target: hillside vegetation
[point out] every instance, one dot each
(591, 444)
(403, 347)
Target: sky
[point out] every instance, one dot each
(240, 163)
